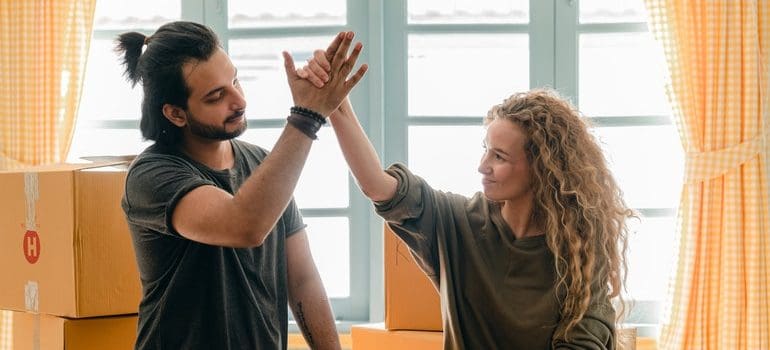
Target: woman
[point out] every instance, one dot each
(533, 261)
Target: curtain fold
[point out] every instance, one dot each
(718, 58)
(44, 45)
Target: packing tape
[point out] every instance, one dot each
(32, 194)
(31, 296)
(31, 292)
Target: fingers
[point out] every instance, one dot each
(302, 73)
(320, 57)
(342, 52)
(315, 68)
(307, 73)
(350, 83)
(351, 61)
(332, 49)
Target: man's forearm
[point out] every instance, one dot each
(268, 190)
(314, 316)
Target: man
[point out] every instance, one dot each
(220, 243)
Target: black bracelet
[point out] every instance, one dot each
(308, 126)
(306, 112)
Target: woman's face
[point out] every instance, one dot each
(504, 165)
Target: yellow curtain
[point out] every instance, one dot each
(718, 54)
(43, 50)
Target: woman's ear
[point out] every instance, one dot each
(175, 115)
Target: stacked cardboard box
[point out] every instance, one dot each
(66, 255)
(412, 308)
(376, 336)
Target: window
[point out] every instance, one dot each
(437, 66)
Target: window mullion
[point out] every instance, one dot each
(215, 16)
(396, 83)
(365, 301)
(541, 43)
(192, 10)
(566, 49)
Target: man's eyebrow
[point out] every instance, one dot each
(214, 91)
(218, 89)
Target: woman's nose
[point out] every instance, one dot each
(483, 167)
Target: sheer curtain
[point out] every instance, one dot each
(44, 45)
(717, 53)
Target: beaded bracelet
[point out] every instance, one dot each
(307, 125)
(306, 112)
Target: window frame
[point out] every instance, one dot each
(381, 101)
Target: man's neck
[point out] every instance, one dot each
(216, 154)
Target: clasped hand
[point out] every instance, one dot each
(326, 98)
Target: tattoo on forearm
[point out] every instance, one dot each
(303, 325)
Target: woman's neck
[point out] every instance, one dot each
(518, 216)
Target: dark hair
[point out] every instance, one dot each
(159, 70)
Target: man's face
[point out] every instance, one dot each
(216, 106)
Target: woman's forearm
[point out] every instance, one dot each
(360, 155)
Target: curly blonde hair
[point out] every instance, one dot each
(576, 200)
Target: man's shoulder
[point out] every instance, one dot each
(157, 156)
(250, 149)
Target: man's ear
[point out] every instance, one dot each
(175, 115)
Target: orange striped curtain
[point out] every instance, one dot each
(718, 54)
(43, 50)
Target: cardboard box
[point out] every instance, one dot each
(65, 248)
(22, 330)
(411, 301)
(376, 337)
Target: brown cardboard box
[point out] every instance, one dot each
(22, 330)
(411, 301)
(65, 249)
(376, 337)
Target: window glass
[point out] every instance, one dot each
(465, 74)
(612, 11)
(324, 179)
(299, 13)
(647, 162)
(621, 74)
(145, 14)
(262, 74)
(105, 142)
(447, 157)
(467, 11)
(106, 92)
(329, 239)
(650, 237)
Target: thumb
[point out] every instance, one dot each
(288, 65)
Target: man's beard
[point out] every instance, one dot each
(215, 132)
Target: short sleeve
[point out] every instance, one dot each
(292, 219)
(154, 186)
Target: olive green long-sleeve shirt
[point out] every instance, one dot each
(497, 292)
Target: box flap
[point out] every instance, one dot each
(411, 300)
(64, 167)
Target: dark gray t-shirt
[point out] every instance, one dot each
(199, 296)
